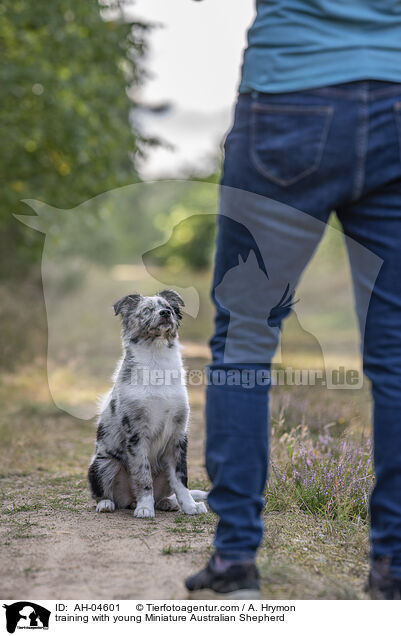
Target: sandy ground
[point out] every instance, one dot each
(99, 557)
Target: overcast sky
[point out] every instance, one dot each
(195, 59)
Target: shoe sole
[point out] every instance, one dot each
(205, 594)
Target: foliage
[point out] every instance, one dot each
(188, 228)
(65, 128)
(325, 475)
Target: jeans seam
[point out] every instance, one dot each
(361, 149)
(291, 108)
(397, 116)
(329, 110)
(385, 92)
(353, 93)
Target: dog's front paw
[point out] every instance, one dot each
(105, 505)
(143, 511)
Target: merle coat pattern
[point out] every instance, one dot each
(141, 446)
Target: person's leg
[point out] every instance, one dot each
(374, 221)
(242, 347)
(261, 248)
(237, 398)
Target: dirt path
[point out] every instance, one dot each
(79, 554)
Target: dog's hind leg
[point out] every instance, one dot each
(101, 475)
(168, 504)
(123, 497)
(199, 495)
(163, 495)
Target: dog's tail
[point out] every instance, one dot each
(199, 495)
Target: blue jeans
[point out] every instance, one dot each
(333, 148)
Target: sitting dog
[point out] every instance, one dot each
(141, 447)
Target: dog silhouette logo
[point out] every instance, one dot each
(26, 615)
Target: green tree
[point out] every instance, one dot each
(66, 124)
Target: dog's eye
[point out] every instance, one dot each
(146, 310)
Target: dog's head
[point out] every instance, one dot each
(149, 317)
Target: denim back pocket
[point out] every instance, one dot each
(287, 141)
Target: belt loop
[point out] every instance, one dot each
(255, 95)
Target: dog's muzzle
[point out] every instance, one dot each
(165, 318)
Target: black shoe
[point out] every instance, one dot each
(382, 585)
(238, 581)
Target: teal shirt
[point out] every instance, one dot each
(300, 44)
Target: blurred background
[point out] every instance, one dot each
(113, 114)
(101, 95)
(194, 65)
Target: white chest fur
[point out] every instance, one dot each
(157, 381)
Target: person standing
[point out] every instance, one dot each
(317, 127)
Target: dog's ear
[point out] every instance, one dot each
(126, 304)
(174, 299)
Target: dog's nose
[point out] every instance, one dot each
(165, 312)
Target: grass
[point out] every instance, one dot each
(180, 530)
(188, 525)
(170, 549)
(281, 580)
(316, 499)
(20, 530)
(22, 508)
(304, 556)
(324, 475)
